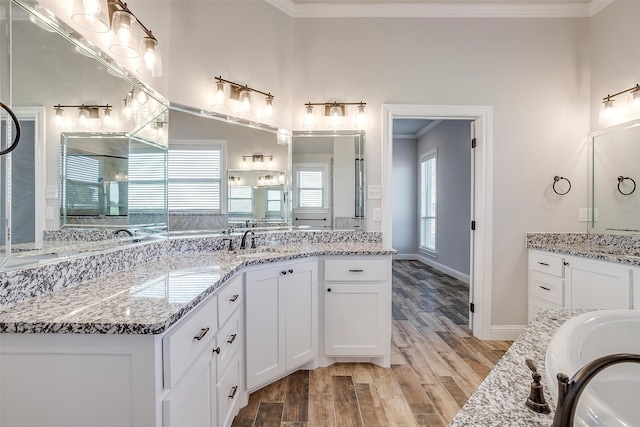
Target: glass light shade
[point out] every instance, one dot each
(634, 100)
(84, 118)
(362, 121)
(309, 118)
(141, 96)
(150, 63)
(124, 41)
(609, 112)
(335, 117)
(268, 113)
(244, 100)
(220, 97)
(59, 119)
(92, 15)
(159, 129)
(283, 137)
(245, 165)
(107, 119)
(126, 113)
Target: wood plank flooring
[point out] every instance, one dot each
(436, 366)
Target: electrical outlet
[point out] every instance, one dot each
(377, 214)
(584, 214)
(48, 214)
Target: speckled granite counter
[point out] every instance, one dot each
(148, 298)
(500, 399)
(612, 248)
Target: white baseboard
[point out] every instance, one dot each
(443, 268)
(506, 332)
(410, 257)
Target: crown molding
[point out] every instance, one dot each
(442, 9)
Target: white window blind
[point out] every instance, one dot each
(310, 187)
(240, 200)
(428, 200)
(146, 176)
(82, 186)
(274, 201)
(194, 179)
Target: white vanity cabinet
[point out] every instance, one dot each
(565, 281)
(357, 306)
(281, 319)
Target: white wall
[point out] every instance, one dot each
(534, 72)
(452, 139)
(405, 197)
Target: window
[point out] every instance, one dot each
(194, 179)
(82, 185)
(310, 186)
(146, 181)
(241, 200)
(428, 200)
(274, 204)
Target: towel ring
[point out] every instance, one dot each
(622, 179)
(555, 181)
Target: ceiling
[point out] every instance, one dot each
(440, 8)
(412, 128)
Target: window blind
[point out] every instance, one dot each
(240, 200)
(428, 201)
(194, 179)
(310, 188)
(146, 176)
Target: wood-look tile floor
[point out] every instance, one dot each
(436, 364)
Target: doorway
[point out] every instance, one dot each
(480, 268)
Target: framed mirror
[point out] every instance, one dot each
(62, 85)
(243, 165)
(613, 199)
(328, 180)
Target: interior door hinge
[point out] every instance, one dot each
(472, 307)
(473, 225)
(473, 143)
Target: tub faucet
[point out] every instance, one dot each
(243, 243)
(570, 389)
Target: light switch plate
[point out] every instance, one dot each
(377, 214)
(51, 192)
(48, 214)
(374, 192)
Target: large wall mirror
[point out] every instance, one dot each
(241, 173)
(614, 173)
(328, 180)
(49, 67)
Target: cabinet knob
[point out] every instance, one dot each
(283, 272)
(216, 350)
(566, 263)
(328, 289)
(234, 298)
(201, 334)
(234, 390)
(290, 270)
(232, 338)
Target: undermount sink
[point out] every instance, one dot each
(611, 398)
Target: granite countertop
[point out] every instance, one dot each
(588, 250)
(149, 298)
(500, 399)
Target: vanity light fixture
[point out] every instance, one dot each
(85, 114)
(257, 160)
(226, 90)
(92, 15)
(611, 112)
(159, 128)
(336, 112)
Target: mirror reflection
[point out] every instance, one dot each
(613, 199)
(328, 180)
(60, 88)
(257, 198)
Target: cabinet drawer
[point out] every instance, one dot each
(228, 342)
(548, 288)
(228, 390)
(181, 346)
(364, 270)
(230, 298)
(550, 264)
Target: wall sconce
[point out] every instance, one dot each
(86, 116)
(129, 37)
(226, 90)
(336, 112)
(612, 111)
(258, 161)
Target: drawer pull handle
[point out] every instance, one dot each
(543, 263)
(216, 350)
(234, 390)
(546, 289)
(232, 338)
(356, 271)
(202, 333)
(234, 298)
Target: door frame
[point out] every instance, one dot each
(481, 268)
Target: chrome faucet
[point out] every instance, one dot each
(243, 243)
(570, 389)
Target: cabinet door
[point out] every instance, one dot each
(357, 319)
(192, 401)
(596, 285)
(301, 313)
(265, 344)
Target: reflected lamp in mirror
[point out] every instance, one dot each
(242, 95)
(614, 111)
(336, 113)
(88, 117)
(258, 161)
